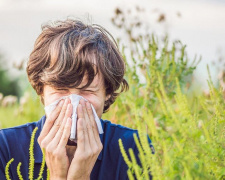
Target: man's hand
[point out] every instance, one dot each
(88, 144)
(54, 137)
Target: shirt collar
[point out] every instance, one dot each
(37, 149)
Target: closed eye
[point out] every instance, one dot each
(62, 90)
(88, 91)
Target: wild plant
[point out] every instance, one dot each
(31, 162)
(186, 130)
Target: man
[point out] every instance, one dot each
(70, 57)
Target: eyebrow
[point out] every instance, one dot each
(95, 88)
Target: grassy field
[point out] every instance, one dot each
(17, 114)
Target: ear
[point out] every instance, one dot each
(42, 99)
(107, 97)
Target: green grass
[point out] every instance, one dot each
(17, 114)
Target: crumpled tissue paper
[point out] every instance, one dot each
(74, 101)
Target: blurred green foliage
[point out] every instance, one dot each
(8, 85)
(29, 111)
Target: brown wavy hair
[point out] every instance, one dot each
(65, 52)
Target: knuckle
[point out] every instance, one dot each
(66, 126)
(64, 138)
(85, 130)
(95, 150)
(39, 140)
(90, 111)
(55, 113)
(61, 130)
(66, 130)
(89, 153)
(51, 119)
(92, 126)
(43, 144)
(57, 123)
(100, 147)
(56, 153)
(63, 111)
(83, 157)
(49, 149)
(100, 144)
(58, 109)
(89, 127)
(81, 138)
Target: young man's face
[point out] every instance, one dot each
(94, 93)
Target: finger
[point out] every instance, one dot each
(57, 123)
(92, 129)
(87, 129)
(97, 144)
(92, 120)
(82, 103)
(66, 133)
(59, 133)
(87, 121)
(50, 121)
(80, 135)
(51, 144)
(62, 113)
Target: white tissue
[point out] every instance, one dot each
(74, 101)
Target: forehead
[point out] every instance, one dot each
(96, 85)
(97, 81)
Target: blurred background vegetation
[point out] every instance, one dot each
(185, 123)
(8, 86)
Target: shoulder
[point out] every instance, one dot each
(112, 154)
(15, 142)
(114, 132)
(18, 134)
(16, 138)
(17, 129)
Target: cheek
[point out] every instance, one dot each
(97, 103)
(52, 98)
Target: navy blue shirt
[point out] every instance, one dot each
(14, 143)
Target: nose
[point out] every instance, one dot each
(74, 91)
